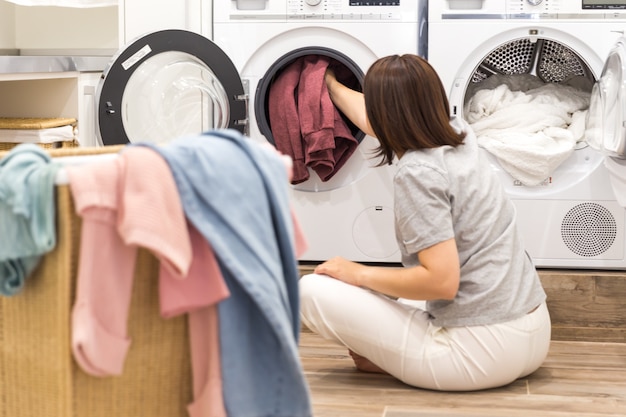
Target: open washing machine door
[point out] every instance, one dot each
(165, 85)
(606, 119)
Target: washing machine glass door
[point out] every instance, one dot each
(168, 84)
(606, 130)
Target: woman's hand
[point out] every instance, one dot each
(436, 278)
(342, 269)
(350, 102)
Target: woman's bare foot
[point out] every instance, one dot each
(365, 365)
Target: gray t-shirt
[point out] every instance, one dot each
(450, 192)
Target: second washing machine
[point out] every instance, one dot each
(350, 213)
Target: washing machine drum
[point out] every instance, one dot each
(168, 84)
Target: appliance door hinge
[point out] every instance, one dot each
(245, 98)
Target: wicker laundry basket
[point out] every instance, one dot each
(38, 376)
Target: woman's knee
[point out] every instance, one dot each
(313, 289)
(310, 287)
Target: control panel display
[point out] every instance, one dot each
(604, 4)
(375, 3)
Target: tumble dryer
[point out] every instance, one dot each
(571, 218)
(350, 214)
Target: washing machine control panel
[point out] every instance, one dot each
(525, 9)
(317, 10)
(351, 10)
(375, 3)
(603, 4)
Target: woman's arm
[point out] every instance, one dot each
(436, 278)
(350, 102)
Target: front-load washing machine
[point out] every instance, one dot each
(350, 214)
(571, 218)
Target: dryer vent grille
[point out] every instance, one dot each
(551, 61)
(588, 229)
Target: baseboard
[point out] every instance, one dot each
(586, 305)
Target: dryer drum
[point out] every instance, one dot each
(551, 61)
(527, 101)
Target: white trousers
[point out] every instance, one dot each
(398, 337)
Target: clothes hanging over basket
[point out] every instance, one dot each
(273, 328)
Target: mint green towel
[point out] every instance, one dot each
(27, 213)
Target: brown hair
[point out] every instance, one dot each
(407, 106)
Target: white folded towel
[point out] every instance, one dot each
(47, 135)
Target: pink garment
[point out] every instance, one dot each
(200, 302)
(123, 208)
(301, 243)
(206, 364)
(283, 115)
(202, 287)
(328, 141)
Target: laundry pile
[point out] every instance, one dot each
(226, 240)
(531, 127)
(305, 123)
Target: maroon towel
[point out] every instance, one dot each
(345, 145)
(316, 116)
(305, 123)
(328, 141)
(283, 115)
(345, 141)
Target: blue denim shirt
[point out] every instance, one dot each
(27, 213)
(234, 192)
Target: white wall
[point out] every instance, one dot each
(66, 28)
(7, 25)
(142, 16)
